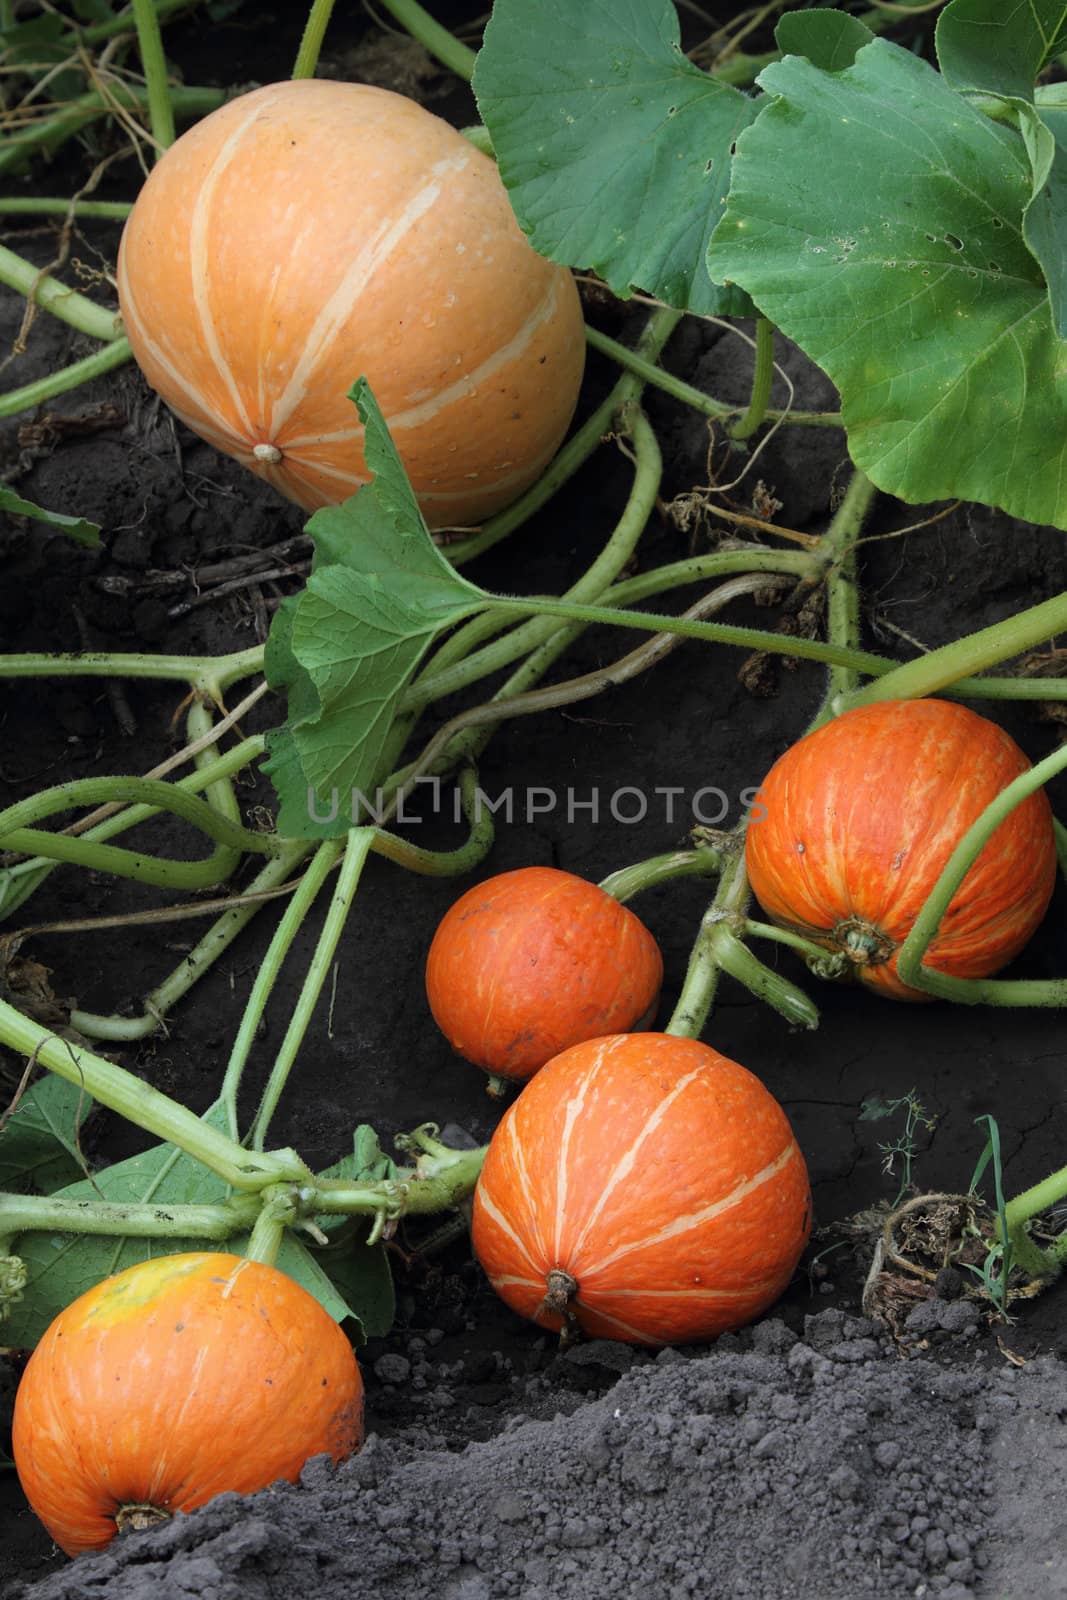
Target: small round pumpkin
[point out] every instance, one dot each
(173, 1381)
(645, 1188)
(311, 233)
(533, 961)
(859, 818)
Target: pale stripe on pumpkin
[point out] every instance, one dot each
(696, 1219)
(518, 1155)
(218, 432)
(200, 258)
(338, 308)
(627, 1161)
(575, 1107)
(509, 353)
(492, 1210)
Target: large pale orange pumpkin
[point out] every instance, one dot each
(311, 233)
(859, 818)
(173, 1381)
(533, 961)
(646, 1187)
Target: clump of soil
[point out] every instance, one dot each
(775, 1464)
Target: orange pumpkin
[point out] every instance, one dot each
(177, 1379)
(860, 817)
(311, 233)
(646, 1188)
(533, 961)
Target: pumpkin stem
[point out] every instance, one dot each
(863, 944)
(133, 1518)
(560, 1290)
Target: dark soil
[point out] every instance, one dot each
(809, 1454)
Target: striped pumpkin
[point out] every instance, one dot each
(311, 233)
(859, 818)
(644, 1188)
(533, 961)
(181, 1378)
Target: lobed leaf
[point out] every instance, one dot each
(39, 1142)
(614, 148)
(906, 277)
(346, 648)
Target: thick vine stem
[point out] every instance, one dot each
(314, 33)
(232, 839)
(446, 863)
(51, 295)
(702, 977)
(736, 959)
(34, 394)
(154, 66)
(702, 862)
(19, 881)
(147, 1108)
(974, 653)
(25, 1213)
(978, 991)
(838, 549)
(210, 676)
(433, 37)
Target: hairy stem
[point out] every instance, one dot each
(314, 33)
(22, 1213)
(144, 1106)
(318, 870)
(974, 653)
(430, 34)
(703, 862)
(762, 378)
(34, 394)
(154, 66)
(357, 848)
(650, 373)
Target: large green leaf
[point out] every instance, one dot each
(906, 277)
(614, 148)
(999, 46)
(39, 1142)
(351, 1281)
(348, 646)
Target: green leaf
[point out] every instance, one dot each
(907, 279)
(998, 49)
(829, 39)
(347, 648)
(39, 1142)
(63, 1266)
(76, 528)
(614, 148)
(361, 1278)
(999, 46)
